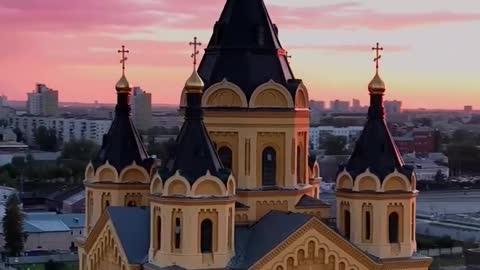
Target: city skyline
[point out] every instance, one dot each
(73, 47)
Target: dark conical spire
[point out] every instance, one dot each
(122, 145)
(195, 153)
(245, 49)
(375, 149)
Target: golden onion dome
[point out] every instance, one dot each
(194, 83)
(122, 84)
(376, 86)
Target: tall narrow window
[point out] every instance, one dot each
(412, 221)
(299, 165)
(159, 232)
(225, 154)
(368, 226)
(206, 237)
(393, 228)
(269, 166)
(347, 224)
(178, 233)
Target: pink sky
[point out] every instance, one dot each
(431, 56)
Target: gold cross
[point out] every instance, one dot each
(195, 51)
(124, 58)
(377, 58)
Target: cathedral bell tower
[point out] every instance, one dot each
(120, 173)
(192, 203)
(257, 112)
(376, 191)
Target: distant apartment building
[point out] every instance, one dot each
(3, 101)
(339, 106)
(141, 108)
(167, 119)
(42, 101)
(356, 104)
(419, 140)
(320, 133)
(67, 128)
(317, 105)
(392, 106)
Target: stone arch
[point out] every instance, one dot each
(225, 153)
(301, 98)
(271, 95)
(90, 172)
(107, 173)
(177, 185)
(134, 173)
(157, 185)
(224, 94)
(395, 183)
(231, 189)
(316, 170)
(209, 185)
(344, 181)
(367, 181)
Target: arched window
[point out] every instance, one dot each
(393, 228)
(159, 232)
(206, 237)
(368, 226)
(299, 165)
(178, 233)
(225, 154)
(132, 204)
(269, 166)
(346, 224)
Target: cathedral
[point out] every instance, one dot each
(240, 190)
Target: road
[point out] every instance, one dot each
(454, 201)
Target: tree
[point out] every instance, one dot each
(164, 151)
(13, 227)
(46, 139)
(19, 133)
(83, 150)
(51, 265)
(335, 145)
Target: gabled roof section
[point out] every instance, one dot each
(255, 241)
(375, 149)
(123, 145)
(245, 49)
(310, 202)
(195, 154)
(131, 226)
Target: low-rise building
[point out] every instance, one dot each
(50, 231)
(428, 166)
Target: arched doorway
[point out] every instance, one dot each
(206, 236)
(393, 227)
(346, 220)
(269, 166)
(225, 154)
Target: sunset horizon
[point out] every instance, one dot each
(73, 48)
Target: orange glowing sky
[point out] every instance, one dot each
(431, 56)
